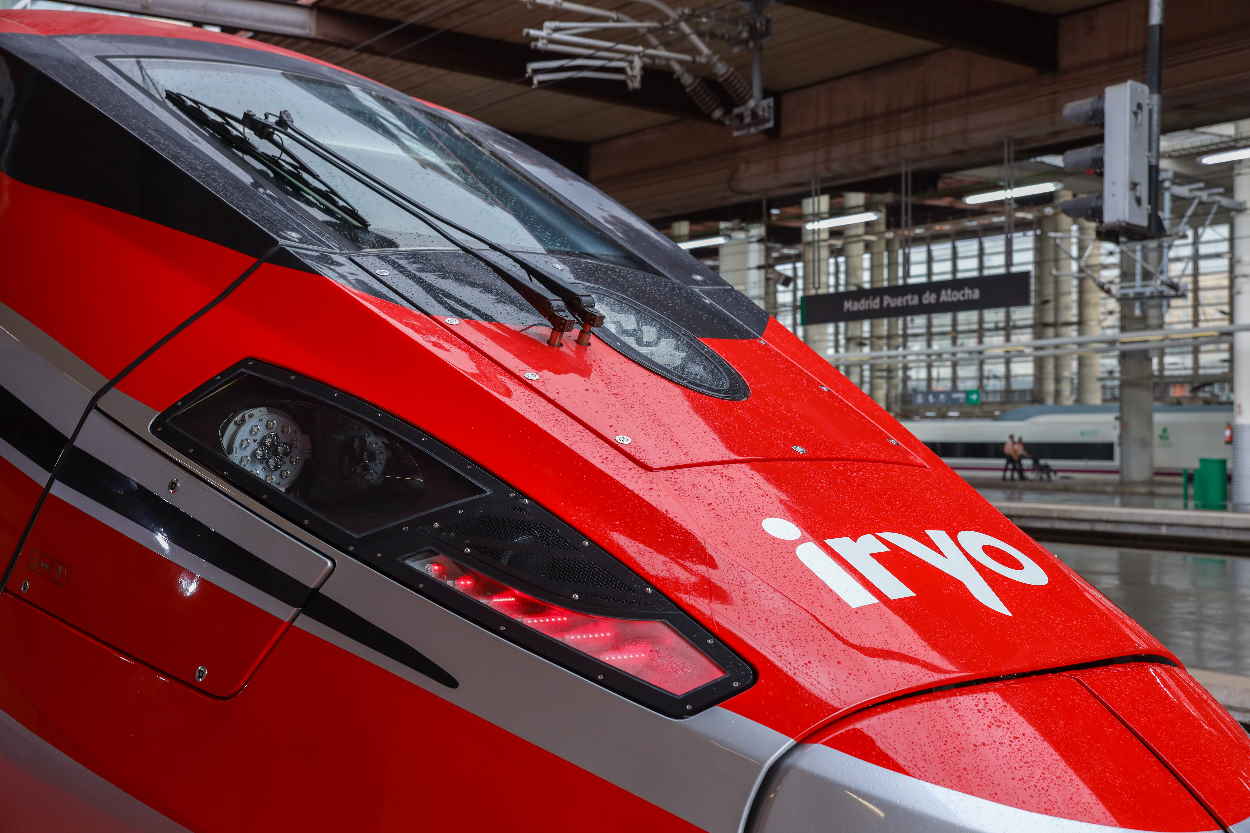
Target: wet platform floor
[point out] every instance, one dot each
(1196, 605)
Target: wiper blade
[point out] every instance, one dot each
(549, 293)
(285, 165)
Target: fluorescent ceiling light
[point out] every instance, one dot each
(1013, 193)
(1225, 156)
(703, 241)
(844, 220)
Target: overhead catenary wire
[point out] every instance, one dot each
(673, 29)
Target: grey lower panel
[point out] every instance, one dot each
(247, 530)
(816, 789)
(37, 370)
(42, 790)
(108, 442)
(704, 769)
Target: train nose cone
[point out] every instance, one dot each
(1043, 753)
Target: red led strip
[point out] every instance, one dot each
(651, 650)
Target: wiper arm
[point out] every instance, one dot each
(547, 291)
(285, 165)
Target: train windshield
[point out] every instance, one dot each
(417, 152)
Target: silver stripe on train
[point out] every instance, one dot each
(74, 799)
(814, 785)
(43, 374)
(704, 769)
(58, 397)
(121, 450)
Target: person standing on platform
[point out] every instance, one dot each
(1009, 448)
(1018, 453)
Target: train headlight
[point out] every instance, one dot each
(665, 348)
(414, 509)
(268, 443)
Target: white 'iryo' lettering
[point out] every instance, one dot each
(955, 560)
(952, 561)
(835, 578)
(1027, 573)
(859, 552)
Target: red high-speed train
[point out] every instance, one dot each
(362, 469)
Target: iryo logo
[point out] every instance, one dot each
(950, 557)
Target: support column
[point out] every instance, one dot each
(877, 326)
(1065, 309)
(742, 260)
(771, 276)
(1137, 374)
(816, 270)
(1088, 390)
(679, 231)
(1044, 308)
(1241, 340)
(894, 341)
(853, 250)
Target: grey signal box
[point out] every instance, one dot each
(1126, 157)
(1123, 160)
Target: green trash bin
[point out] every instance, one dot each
(1211, 484)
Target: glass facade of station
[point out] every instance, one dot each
(1199, 263)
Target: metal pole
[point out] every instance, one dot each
(816, 269)
(893, 374)
(854, 202)
(1044, 307)
(1136, 371)
(1136, 386)
(1064, 307)
(877, 329)
(1089, 391)
(1241, 340)
(1154, 81)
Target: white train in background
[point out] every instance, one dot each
(1077, 438)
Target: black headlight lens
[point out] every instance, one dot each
(340, 468)
(663, 347)
(416, 510)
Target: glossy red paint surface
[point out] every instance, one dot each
(830, 657)
(18, 494)
(11, 25)
(91, 576)
(36, 798)
(1041, 744)
(697, 531)
(1186, 727)
(322, 739)
(319, 740)
(794, 349)
(152, 279)
(672, 426)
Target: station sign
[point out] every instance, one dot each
(946, 397)
(1010, 289)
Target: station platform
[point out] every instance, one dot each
(1195, 604)
(1189, 530)
(1182, 573)
(1163, 493)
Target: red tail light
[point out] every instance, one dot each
(651, 650)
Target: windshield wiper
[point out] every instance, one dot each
(308, 186)
(547, 291)
(285, 166)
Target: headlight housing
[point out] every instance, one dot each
(416, 510)
(663, 347)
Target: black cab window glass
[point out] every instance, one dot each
(417, 152)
